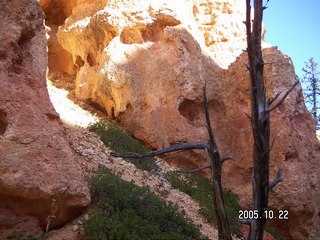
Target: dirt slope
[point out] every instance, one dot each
(88, 145)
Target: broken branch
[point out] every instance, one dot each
(250, 117)
(248, 67)
(277, 179)
(227, 158)
(272, 144)
(284, 96)
(265, 6)
(247, 93)
(172, 154)
(271, 100)
(182, 146)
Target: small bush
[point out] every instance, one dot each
(120, 141)
(200, 189)
(126, 211)
(21, 236)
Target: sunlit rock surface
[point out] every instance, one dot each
(146, 62)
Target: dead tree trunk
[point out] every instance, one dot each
(216, 170)
(260, 120)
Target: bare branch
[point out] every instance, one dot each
(171, 155)
(265, 6)
(270, 148)
(182, 146)
(272, 144)
(277, 179)
(175, 153)
(250, 117)
(227, 158)
(271, 100)
(206, 109)
(193, 170)
(247, 93)
(284, 96)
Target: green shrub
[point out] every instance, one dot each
(120, 141)
(200, 189)
(126, 211)
(21, 236)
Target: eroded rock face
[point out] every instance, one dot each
(37, 164)
(295, 147)
(146, 64)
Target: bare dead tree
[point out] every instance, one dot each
(260, 120)
(215, 165)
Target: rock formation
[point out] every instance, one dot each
(146, 62)
(37, 164)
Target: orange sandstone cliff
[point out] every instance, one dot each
(37, 164)
(145, 62)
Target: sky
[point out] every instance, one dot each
(294, 26)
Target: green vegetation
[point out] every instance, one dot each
(120, 141)
(200, 189)
(21, 236)
(126, 211)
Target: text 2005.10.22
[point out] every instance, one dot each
(267, 214)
